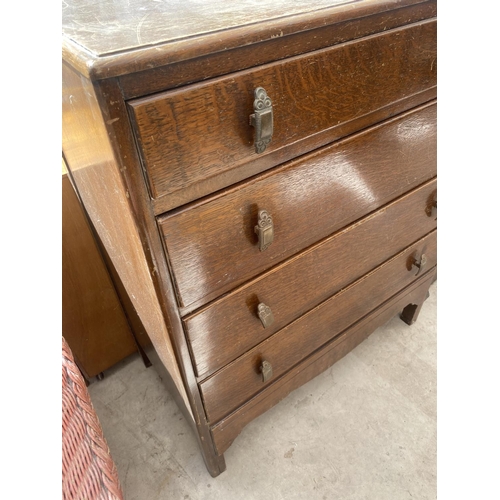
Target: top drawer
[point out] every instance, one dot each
(198, 139)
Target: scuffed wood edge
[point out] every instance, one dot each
(77, 57)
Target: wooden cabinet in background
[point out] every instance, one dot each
(94, 323)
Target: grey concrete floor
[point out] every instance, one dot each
(363, 429)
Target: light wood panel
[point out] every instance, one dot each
(91, 160)
(93, 321)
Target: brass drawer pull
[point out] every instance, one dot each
(420, 264)
(265, 315)
(264, 229)
(262, 119)
(431, 208)
(267, 371)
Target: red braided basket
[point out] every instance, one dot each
(88, 471)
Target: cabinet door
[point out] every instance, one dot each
(93, 321)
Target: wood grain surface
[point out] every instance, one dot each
(225, 431)
(212, 246)
(230, 326)
(90, 158)
(156, 105)
(240, 380)
(93, 321)
(321, 33)
(191, 134)
(108, 38)
(111, 26)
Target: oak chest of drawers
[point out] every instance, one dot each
(264, 181)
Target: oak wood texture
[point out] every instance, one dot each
(195, 133)
(225, 431)
(99, 148)
(143, 342)
(141, 339)
(212, 246)
(93, 321)
(294, 150)
(320, 33)
(229, 326)
(240, 380)
(91, 160)
(190, 402)
(141, 56)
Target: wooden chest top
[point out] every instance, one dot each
(107, 27)
(109, 38)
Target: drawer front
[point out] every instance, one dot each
(220, 332)
(240, 380)
(195, 133)
(212, 246)
(226, 430)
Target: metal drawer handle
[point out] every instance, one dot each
(431, 208)
(262, 119)
(265, 315)
(420, 264)
(264, 229)
(267, 371)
